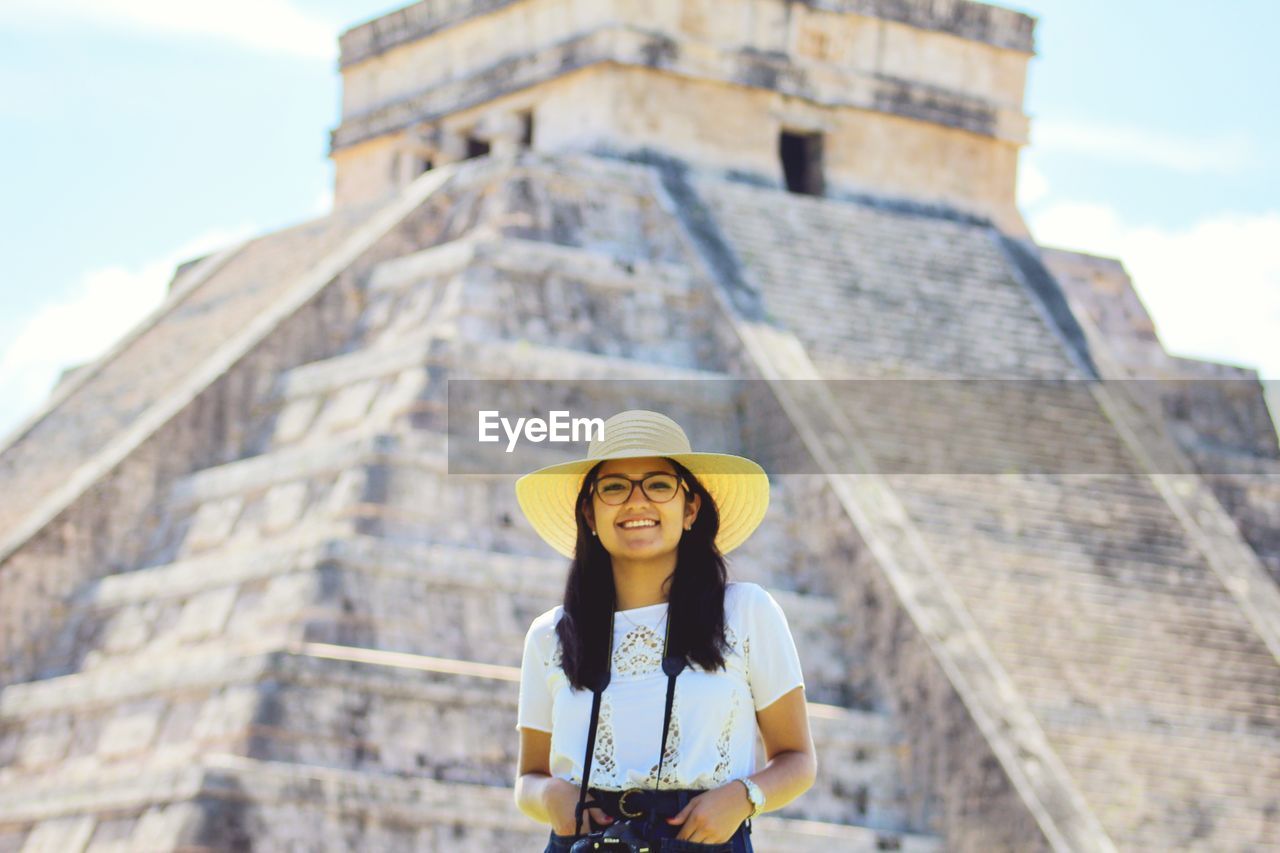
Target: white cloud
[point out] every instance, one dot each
(276, 27)
(1140, 146)
(80, 326)
(1032, 184)
(1213, 288)
(323, 204)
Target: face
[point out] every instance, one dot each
(671, 516)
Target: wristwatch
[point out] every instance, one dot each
(755, 795)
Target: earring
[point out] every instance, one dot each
(593, 533)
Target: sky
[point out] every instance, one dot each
(135, 134)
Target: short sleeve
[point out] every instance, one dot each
(534, 707)
(773, 665)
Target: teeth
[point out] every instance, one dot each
(630, 524)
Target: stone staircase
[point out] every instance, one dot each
(1218, 413)
(1099, 599)
(320, 639)
(310, 635)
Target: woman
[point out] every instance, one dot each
(646, 521)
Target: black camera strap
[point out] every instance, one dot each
(672, 666)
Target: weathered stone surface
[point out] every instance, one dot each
(281, 620)
(914, 99)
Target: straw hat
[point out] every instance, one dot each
(739, 487)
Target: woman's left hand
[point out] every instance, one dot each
(712, 817)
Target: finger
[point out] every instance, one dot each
(690, 830)
(679, 817)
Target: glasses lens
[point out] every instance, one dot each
(613, 490)
(660, 487)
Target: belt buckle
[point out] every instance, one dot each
(622, 803)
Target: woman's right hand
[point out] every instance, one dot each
(560, 798)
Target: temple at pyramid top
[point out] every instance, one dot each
(912, 99)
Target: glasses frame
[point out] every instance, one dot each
(680, 483)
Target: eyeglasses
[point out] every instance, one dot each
(615, 489)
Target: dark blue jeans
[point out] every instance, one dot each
(739, 843)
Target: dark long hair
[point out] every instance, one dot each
(695, 604)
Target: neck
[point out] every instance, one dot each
(641, 583)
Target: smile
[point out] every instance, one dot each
(631, 525)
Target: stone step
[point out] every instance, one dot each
(100, 690)
(215, 569)
(1165, 694)
(525, 257)
(1083, 558)
(952, 444)
(303, 806)
(325, 583)
(383, 712)
(289, 464)
(234, 591)
(1132, 675)
(1175, 779)
(1139, 545)
(249, 502)
(497, 287)
(1203, 609)
(1158, 537)
(1188, 583)
(1253, 468)
(327, 375)
(1094, 506)
(378, 388)
(1167, 765)
(288, 593)
(1118, 666)
(497, 357)
(519, 359)
(464, 729)
(896, 289)
(1199, 733)
(1174, 796)
(1109, 499)
(1181, 621)
(1169, 634)
(1196, 594)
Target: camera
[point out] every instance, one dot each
(624, 835)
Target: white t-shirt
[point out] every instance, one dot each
(712, 739)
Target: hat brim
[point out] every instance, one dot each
(739, 487)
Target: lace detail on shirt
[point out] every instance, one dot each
(731, 638)
(639, 653)
(721, 774)
(602, 758)
(670, 757)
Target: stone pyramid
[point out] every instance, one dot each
(244, 605)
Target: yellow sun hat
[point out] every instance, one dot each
(739, 486)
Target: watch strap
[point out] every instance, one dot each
(754, 795)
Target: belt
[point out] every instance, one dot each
(640, 802)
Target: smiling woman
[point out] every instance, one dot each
(664, 703)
